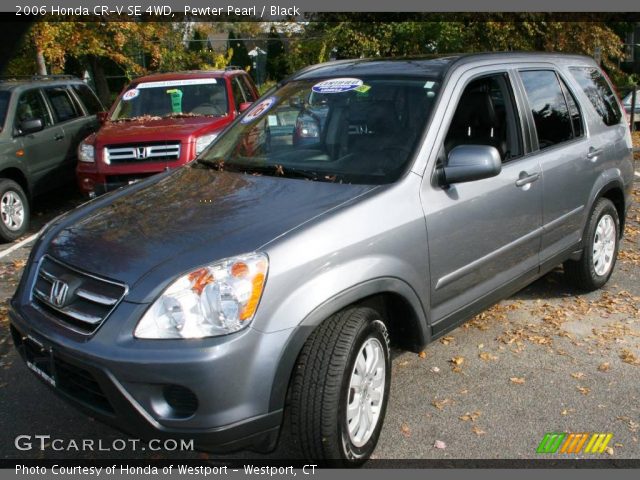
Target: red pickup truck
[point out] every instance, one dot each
(158, 122)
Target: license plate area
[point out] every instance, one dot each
(39, 359)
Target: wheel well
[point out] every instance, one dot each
(400, 318)
(615, 194)
(17, 176)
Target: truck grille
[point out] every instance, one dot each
(78, 300)
(149, 152)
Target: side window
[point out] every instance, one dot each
(597, 89)
(574, 111)
(548, 106)
(30, 107)
(248, 89)
(88, 98)
(61, 103)
(238, 96)
(486, 115)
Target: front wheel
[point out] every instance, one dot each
(340, 387)
(601, 243)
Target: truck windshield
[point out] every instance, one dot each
(190, 97)
(4, 103)
(352, 130)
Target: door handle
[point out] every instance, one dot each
(526, 179)
(58, 136)
(593, 154)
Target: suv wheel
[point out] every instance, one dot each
(340, 387)
(602, 240)
(14, 211)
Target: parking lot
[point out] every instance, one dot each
(547, 359)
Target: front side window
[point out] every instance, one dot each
(597, 89)
(351, 130)
(202, 97)
(63, 107)
(548, 107)
(31, 106)
(5, 96)
(238, 93)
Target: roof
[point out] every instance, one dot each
(9, 82)
(433, 66)
(185, 75)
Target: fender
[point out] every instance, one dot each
(609, 179)
(336, 303)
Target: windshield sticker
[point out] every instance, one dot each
(130, 94)
(363, 88)
(337, 85)
(429, 84)
(259, 110)
(176, 100)
(178, 83)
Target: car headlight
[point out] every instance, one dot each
(204, 141)
(214, 300)
(86, 152)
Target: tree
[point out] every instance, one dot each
(276, 59)
(240, 55)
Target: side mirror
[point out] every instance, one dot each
(467, 163)
(32, 125)
(102, 117)
(244, 105)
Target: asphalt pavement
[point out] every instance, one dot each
(548, 359)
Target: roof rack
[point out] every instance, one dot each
(231, 67)
(12, 78)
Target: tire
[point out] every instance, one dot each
(322, 387)
(595, 266)
(14, 211)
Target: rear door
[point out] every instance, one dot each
(483, 235)
(560, 145)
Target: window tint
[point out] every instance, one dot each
(88, 98)
(486, 115)
(574, 111)
(248, 90)
(30, 107)
(4, 105)
(599, 92)
(238, 95)
(63, 107)
(548, 106)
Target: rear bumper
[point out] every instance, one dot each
(131, 394)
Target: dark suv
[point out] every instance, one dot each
(271, 274)
(42, 121)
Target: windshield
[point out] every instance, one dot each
(4, 103)
(191, 97)
(352, 130)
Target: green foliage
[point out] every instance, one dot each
(276, 60)
(240, 55)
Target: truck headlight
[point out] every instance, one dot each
(214, 300)
(86, 152)
(204, 141)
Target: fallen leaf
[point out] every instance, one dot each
(440, 404)
(477, 430)
(446, 340)
(577, 375)
(405, 430)
(440, 444)
(404, 363)
(470, 417)
(435, 369)
(422, 354)
(584, 390)
(609, 450)
(517, 380)
(486, 356)
(567, 411)
(457, 360)
(628, 357)
(481, 346)
(604, 367)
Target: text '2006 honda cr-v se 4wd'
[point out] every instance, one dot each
(271, 272)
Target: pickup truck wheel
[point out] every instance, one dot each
(14, 211)
(602, 240)
(340, 387)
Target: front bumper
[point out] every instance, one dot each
(215, 392)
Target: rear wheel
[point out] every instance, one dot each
(14, 211)
(340, 387)
(602, 240)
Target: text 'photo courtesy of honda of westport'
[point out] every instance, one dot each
(268, 277)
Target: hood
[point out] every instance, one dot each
(136, 131)
(188, 218)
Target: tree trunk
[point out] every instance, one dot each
(100, 80)
(42, 66)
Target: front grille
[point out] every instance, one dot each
(78, 300)
(148, 152)
(81, 385)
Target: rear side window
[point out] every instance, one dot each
(574, 111)
(548, 107)
(88, 98)
(597, 89)
(61, 103)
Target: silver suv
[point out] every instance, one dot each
(270, 274)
